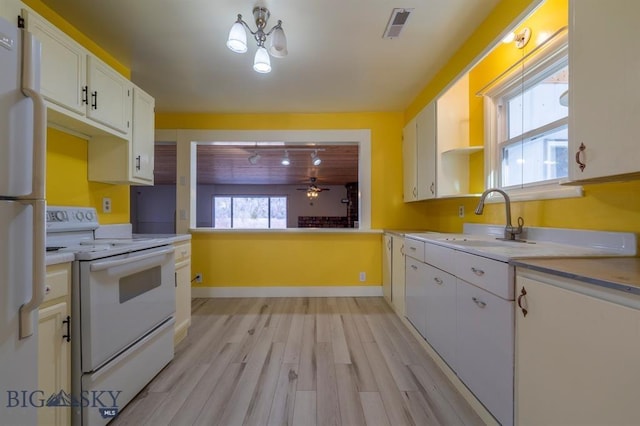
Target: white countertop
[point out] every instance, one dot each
(56, 258)
(540, 242)
(174, 238)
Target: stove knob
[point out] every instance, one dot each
(60, 216)
(89, 216)
(79, 215)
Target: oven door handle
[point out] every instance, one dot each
(100, 266)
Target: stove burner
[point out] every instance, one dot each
(53, 248)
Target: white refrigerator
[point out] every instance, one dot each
(22, 222)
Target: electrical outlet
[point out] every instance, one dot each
(363, 276)
(199, 277)
(106, 205)
(460, 211)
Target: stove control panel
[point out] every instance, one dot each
(61, 219)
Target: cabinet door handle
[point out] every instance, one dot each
(415, 192)
(175, 279)
(479, 302)
(138, 163)
(67, 336)
(414, 267)
(94, 100)
(402, 249)
(438, 280)
(85, 95)
(523, 293)
(478, 272)
(432, 188)
(581, 164)
(389, 244)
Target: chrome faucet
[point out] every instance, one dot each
(510, 231)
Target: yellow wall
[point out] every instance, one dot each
(67, 182)
(286, 259)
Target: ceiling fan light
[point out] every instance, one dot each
(278, 43)
(261, 62)
(237, 41)
(315, 160)
(285, 160)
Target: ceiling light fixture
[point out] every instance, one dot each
(253, 158)
(237, 40)
(315, 159)
(285, 160)
(521, 38)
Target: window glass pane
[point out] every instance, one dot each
(278, 212)
(540, 158)
(539, 104)
(222, 212)
(250, 212)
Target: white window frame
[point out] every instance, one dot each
(268, 197)
(553, 54)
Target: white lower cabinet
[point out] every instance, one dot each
(484, 348)
(183, 290)
(54, 348)
(576, 354)
(387, 266)
(440, 311)
(415, 294)
(393, 271)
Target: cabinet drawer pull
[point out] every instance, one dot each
(478, 272)
(414, 267)
(523, 293)
(138, 162)
(479, 302)
(581, 164)
(438, 280)
(412, 248)
(47, 289)
(67, 336)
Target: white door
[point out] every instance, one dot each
(16, 118)
(18, 369)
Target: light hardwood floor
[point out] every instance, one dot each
(298, 361)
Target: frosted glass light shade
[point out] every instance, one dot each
(261, 62)
(237, 40)
(278, 44)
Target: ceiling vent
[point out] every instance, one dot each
(396, 22)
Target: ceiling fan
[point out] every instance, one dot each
(313, 190)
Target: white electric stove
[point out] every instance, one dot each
(122, 304)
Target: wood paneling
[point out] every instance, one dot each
(230, 165)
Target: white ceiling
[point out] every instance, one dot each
(337, 62)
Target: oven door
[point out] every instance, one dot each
(122, 298)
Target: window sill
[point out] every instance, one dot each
(547, 192)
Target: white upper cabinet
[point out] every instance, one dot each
(109, 96)
(604, 81)
(84, 94)
(63, 65)
(143, 136)
(418, 151)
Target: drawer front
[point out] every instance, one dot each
(440, 257)
(182, 251)
(491, 275)
(57, 281)
(414, 248)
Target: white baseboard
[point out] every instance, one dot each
(318, 291)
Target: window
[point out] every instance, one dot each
(249, 212)
(533, 130)
(528, 121)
